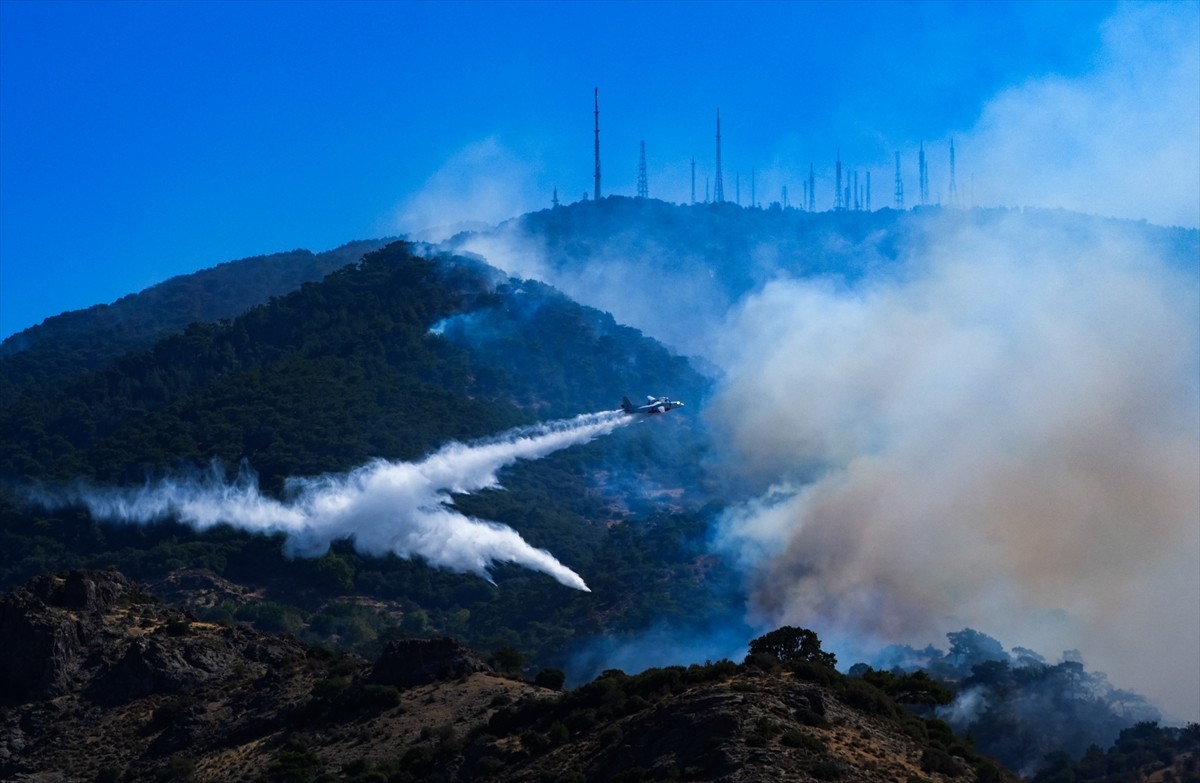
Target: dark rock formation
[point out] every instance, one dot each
(44, 625)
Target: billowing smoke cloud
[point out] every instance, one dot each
(1122, 139)
(1002, 433)
(383, 507)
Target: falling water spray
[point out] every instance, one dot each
(403, 508)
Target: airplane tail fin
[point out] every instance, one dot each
(626, 405)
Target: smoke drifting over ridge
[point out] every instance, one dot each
(1003, 434)
(996, 424)
(385, 507)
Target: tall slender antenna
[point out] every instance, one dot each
(922, 176)
(693, 179)
(643, 189)
(554, 201)
(719, 188)
(838, 188)
(812, 199)
(953, 186)
(597, 97)
(899, 185)
(857, 197)
(868, 191)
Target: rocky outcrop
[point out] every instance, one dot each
(100, 680)
(99, 633)
(411, 662)
(45, 626)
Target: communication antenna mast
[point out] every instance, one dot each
(953, 186)
(643, 190)
(812, 199)
(718, 188)
(857, 194)
(597, 98)
(554, 200)
(922, 176)
(868, 191)
(899, 185)
(693, 179)
(838, 186)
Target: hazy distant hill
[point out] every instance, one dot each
(675, 271)
(74, 342)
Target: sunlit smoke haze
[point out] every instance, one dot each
(402, 508)
(1003, 433)
(629, 283)
(482, 184)
(1122, 140)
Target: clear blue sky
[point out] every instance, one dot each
(143, 140)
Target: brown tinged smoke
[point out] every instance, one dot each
(1005, 435)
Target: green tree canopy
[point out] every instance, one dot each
(790, 644)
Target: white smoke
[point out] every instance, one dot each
(1002, 434)
(384, 507)
(482, 184)
(1122, 139)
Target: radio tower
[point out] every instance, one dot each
(693, 179)
(922, 176)
(718, 188)
(899, 185)
(953, 186)
(643, 190)
(597, 97)
(838, 186)
(868, 191)
(812, 199)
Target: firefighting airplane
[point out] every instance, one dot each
(653, 405)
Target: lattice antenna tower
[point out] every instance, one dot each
(643, 189)
(597, 112)
(554, 200)
(953, 186)
(718, 187)
(838, 182)
(923, 176)
(812, 199)
(868, 191)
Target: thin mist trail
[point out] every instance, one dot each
(403, 508)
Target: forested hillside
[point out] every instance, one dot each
(387, 358)
(74, 342)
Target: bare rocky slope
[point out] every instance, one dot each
(101, 681)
